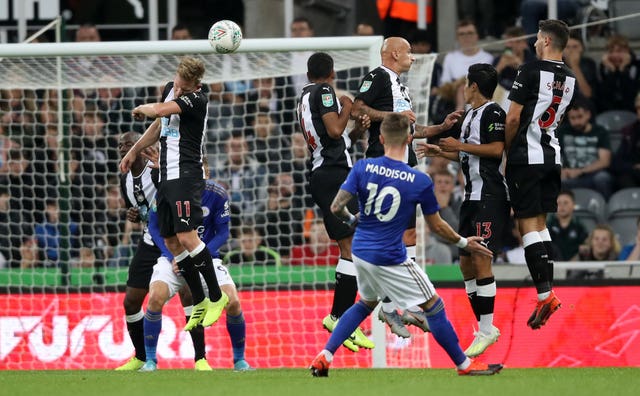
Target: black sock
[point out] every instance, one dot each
(204, 264)
(485, 304)
(537, 262)
(344, 295)
(197, 337)
(548, 245)
(192, 277)
(136, 333)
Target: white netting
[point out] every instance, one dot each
(58, 166)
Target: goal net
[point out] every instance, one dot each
(64, 242)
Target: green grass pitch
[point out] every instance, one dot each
(341, 382)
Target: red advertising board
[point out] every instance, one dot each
(597, 326)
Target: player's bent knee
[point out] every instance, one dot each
(234, 308)
(158, 296)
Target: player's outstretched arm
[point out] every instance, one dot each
(487, 150)
(150, 136)
(424, 149)
(360, 107)
(363, 122)
(339, 208)
(427, 131)
(443, 229)
(155, 110)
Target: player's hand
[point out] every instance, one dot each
(363, 122)
(127, 161)
(449, 144)
(452, 119)
(410, 114)
(475, 244)
(175, 268)
(152, 154)
(133, 215)
(138, 114)
(424, 149)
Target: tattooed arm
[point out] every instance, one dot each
(339, 207)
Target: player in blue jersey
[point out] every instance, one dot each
(388, 191)
(165, 283)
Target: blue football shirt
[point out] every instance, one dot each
(388, 192)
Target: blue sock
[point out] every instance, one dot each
(348, 323)
(152, 327)
(444, 333)
(237, 332)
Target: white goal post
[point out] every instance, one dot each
(62, 107)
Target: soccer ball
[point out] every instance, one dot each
(225, 36)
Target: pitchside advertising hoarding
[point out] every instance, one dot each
(597, 326)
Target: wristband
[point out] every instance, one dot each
(462, 243)
(351, 221)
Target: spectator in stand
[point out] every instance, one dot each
(251, 251)
(586, 151)
(268, 145)
(443, 188)
(275, 96)
(631, 252)
(180, 32)
(435, 252)
(17, 109)
(584, 68)
(364, 29)
(242, 174)
(281, 215)
(27, 189)
(619, 76)
(12, 231)
(456, 63)
(567, 232)
(87, 33)
(601, 245)
(320, 250)
(516, 52)
(421, 43)
(626, 161)
(300, 27)
(29, 254)
(6, 144)
(49, 232)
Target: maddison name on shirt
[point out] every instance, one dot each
(388, 172)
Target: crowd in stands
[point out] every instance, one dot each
(257, 154)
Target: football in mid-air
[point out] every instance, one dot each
(225, 36)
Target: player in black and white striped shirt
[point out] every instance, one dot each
(323, 119)
(381, 92)
(539, 97)
(138, 189)
(485, 210)
(180, 122)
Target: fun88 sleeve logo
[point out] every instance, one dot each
(167, 130)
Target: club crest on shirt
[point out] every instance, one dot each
(205, 211)
(327, 100)
(365, 86)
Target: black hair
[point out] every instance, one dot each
(558, 30)
(319, 65)
(485, 76)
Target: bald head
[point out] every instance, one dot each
(396, 54)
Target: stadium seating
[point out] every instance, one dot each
(623, 211)
(615, 120)
(590, 208)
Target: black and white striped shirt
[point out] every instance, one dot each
(382, 90)
(544, 89)
(317, 100)
(484, 179)
(139, 192)
(182, 136)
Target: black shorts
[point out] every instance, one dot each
(533, 189)
(141, 265)
(179, 205)
(325, 183)
(485, 219)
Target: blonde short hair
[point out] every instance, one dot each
(191, 69)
